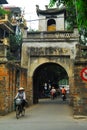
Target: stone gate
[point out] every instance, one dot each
(53, 47)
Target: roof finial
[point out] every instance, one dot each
(37, 7)
(46, 6)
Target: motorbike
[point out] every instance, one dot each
(63, 97)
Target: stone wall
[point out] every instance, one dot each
(3, 75)
(80, 90)
(9, 85)
(62, 48)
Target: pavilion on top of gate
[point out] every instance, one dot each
(51, 19)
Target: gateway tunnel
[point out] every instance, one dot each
(46, 76)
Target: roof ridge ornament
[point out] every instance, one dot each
(37, 7)
(46, 6)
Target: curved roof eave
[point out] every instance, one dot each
(3, 2)
(54, 11)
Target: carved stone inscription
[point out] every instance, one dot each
(48, 51)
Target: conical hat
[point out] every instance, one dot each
(20, 89)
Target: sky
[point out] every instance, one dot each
(30, 10)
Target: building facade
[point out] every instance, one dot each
(12, 75)
(53, 46)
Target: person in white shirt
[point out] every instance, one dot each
(21, 94)
(53, 93)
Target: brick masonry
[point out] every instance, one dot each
(9, 85)
(80, 90)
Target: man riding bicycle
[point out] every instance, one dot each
(21, 94)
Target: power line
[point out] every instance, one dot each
(43, 19)
(40, 19)
(34, 20)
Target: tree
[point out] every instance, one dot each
(80, 10)
(70, 14)
(76, 14)
(3, 12)
(14, 51)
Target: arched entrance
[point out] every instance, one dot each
(51, 25)
(48, 74)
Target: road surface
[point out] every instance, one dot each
(47, 115)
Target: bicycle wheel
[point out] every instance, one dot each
(17, 112)
(23, 112)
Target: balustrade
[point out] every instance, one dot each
(53, 35)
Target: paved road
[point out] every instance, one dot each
(47, 115)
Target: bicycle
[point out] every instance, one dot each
(20, 111)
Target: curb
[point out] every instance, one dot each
(79, 117)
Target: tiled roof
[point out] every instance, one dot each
(53, 11)
(3, 2)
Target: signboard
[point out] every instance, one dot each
(84, 74)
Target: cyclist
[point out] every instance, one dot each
(21, 94)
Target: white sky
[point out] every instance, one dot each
(30, 9)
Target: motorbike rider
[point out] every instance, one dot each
(63, 91)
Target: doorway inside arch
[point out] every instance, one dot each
(46, 76)
(51, 25)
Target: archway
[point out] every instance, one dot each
(51, 25)
(50, 74)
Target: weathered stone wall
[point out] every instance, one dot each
(36, 56)
(61, 48)
(80, 90)
(3, 75)
(47, 49)
(3, 52)
(57, 47)
(9, 87)
(30, 90)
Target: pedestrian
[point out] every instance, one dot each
(53, 92)
(63, 91)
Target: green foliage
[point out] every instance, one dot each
(10, 55)
(82, 13)
(70, 11)
(76, 15)
(15, 47)
(14, 42)
(3, 12)
(52, 3)
(70, 14)
(75, 7)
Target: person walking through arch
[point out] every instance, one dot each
(53, 93)
(63, 91)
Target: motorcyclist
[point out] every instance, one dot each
(63, 91)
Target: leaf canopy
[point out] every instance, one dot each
(78, 8)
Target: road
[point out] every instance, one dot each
(47, 115)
